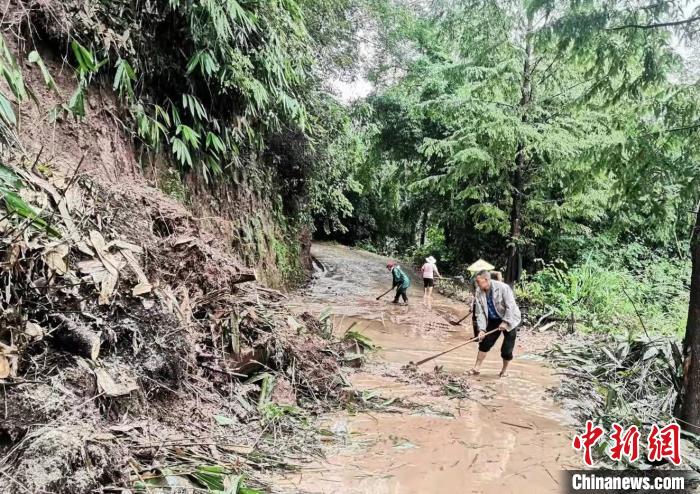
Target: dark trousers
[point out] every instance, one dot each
(401, 292)
(508, 340)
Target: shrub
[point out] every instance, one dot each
(606, 295)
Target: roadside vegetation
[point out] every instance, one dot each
(156, 156)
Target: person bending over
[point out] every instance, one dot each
(495, 308)
(400, 281)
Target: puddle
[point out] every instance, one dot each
(509, 435)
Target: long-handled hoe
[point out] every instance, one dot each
(416, 364)
(460, 321)
(390, 289)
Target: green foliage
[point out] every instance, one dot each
(358, 338)
(273, 414)
(434, 246)
(333, 179)
(35, 58)
(172, 185)
(605, 375)
(12, 75)
(216, 479)
(625, 291)
(209, 81)
(124, 79)
(10, 185)
(605, 132)
(288, 259)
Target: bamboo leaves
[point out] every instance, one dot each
(254, 58)
(10, 185)
(181, 151)
(6, 111)
(87, 67)
(35, 58)
(205, 61)
(87, 63)
(189, 136)
(192, 103)
(124, 79)
(215, 143)
(12, 74)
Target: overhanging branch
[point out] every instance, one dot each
(655, 25)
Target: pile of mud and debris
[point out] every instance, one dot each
(136, 354)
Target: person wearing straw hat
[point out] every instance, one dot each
(399, 280)
(495, 309)
(479, 265)
(429, 270)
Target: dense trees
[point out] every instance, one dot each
(524, 130)
(507, 125)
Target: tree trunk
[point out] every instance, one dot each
(688, 404)
(423, 227)
(514, 266)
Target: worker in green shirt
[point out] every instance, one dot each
(400, 281)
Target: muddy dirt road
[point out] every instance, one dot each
(507, 436)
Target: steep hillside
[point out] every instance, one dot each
(138, 329)
(116, 83)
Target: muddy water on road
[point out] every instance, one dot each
(508, 437)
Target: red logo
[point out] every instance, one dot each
(662, 443)
(665, 443)
(587, 441)
(625, 443)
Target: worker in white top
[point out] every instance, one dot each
(429, 271)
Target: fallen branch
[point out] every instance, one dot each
(539, 321)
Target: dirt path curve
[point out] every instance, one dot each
(508, 436)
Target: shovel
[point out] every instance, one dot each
(451, 349)
(390, 289)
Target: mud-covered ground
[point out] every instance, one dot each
(434, 430)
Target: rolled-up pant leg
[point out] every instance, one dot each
(490, 339)
(507, 345)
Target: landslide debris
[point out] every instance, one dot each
(135, 354)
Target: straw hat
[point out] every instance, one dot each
(480, 265)
(430, 259)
